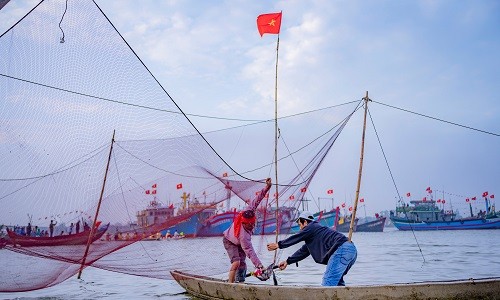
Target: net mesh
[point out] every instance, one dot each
(62, 104)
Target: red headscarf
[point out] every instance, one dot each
(245, 217)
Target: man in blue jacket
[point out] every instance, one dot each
(325, 245)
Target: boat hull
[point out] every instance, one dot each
(217, 224)
(465, 224)
(373, 226)
(210, 288)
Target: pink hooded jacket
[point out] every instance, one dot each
(245, 238)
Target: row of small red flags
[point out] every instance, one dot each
(429, 190)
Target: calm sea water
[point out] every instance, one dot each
(391, 256)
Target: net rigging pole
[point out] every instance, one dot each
(353, 217)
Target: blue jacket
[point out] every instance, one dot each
(320, 242)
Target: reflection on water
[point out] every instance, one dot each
(387, 257)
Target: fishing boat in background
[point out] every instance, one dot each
(426, 215)
(216, 224)
(376, 225)
(80, 238)
(157, 213)
(325, 218)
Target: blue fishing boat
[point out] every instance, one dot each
(425, 215)
(326, 218)
(216, 224)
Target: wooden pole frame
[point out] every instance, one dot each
(91, 235)
(353, 217)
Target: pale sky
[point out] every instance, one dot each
(436, 58)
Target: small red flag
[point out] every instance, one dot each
(329, 192)
(257, 193)
(439, 201)
(492, 196)
(269, 23)
(473, 198)
(148, 191)
(350, 208)
(428, 188)
(343, 205)
(408, 194)
(292, 197)
(153, 192)
(224, 174)
(171, 206)
(275, 195)
(154, 186)
(485, 194)
(303, 190)
(444, 201)
(424, 199)
(362, 200)
(466, 199)
(179, 186)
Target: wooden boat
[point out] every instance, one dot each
(80, 238)
(210, 288)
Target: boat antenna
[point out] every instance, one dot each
(93, 228)
(353, 218)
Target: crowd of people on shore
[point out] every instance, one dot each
(134, 235)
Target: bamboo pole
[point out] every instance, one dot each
(91, 235)
(276, 136)
(353, 217)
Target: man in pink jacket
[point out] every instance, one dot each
(238, 239)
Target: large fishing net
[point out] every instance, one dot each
(91, 142)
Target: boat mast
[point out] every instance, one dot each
(91, 235)
(353, 218)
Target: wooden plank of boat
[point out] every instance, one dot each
(210, 288)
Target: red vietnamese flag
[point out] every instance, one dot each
(343, 205)
(350, 208)
(444, 201)
(362, 200)
(466, 199)
(424, 199)
(224, 174)
(408, 194)
(428, 188)
(473, 198)
(291, 197)
(147, 192)
(329, 192)
(439, 201)
(269, 23)
(257, 193)
(179, 186)
(303, 190)
(485, 194)
(153, 192)
(154, 186)
(492, 196)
